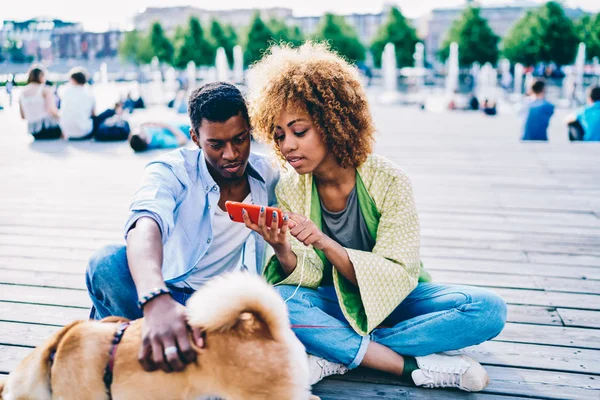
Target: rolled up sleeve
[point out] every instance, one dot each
(157, 198)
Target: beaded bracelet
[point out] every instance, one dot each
(153, 294)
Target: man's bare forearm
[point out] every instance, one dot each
(145, 255)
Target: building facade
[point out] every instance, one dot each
(49, 40)
(171, 17)
(366, 25)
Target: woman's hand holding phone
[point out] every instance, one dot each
(268, 228)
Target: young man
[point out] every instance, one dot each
(157, 135)
(539, 112)
(78, 119)
(178, 232)
(586, 125)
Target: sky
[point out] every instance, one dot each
(100, 15)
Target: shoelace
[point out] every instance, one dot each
(444, 377)
(328, 368)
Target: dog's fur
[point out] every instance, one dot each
(250, 353)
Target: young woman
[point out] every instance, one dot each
(37, 106)
(347, 257)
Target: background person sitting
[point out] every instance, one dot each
(539, 112)
(586, 125)
(37, 106)
(157, 135)
(78, 119)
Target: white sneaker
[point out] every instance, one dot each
(444, 371)
(319, 368)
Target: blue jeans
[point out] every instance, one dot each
(432, 319)
(111, 286)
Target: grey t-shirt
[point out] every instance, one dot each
(348, 227)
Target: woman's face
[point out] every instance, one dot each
(299, 142)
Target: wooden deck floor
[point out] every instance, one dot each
(520, 218)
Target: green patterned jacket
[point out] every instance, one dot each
(388, 273)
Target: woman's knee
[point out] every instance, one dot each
(492, 313)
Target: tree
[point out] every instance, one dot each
(258, 40)
(284, 33)
(398, 31)
(129, 48)
(476, 40)
(224, 38)
(519, 44)
(159, 45)
(588, 32)
(191, 45)
(341, 37)
(544, 35)
(17, 54)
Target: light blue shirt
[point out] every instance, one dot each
(589, 119)
(178, 192)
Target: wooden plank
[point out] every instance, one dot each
(503, 381)
(495, 266)
(550, 358)
(45, 296)
(43, 265)
(550, 247)
(518, 281)
(446, 233)
(48, 253)
(19, 334)
(550, 335)
(115, 234)
(545, 384)
(41, 314)
(583, 318)
(572, 259)
(335, 389)
(533, 315)
(57, 241)
(472, 254)
(11, 356)
(510, 228)
(43, 279)
(552, 299)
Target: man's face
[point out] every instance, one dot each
(226, 146)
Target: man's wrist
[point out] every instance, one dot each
(152, 295)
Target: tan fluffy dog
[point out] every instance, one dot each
(250, 353)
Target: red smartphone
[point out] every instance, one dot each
(235, 208)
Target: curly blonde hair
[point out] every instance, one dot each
(314, 80)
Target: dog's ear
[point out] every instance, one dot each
(248, 324)
(114, 319)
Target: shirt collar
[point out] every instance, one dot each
(209, 182)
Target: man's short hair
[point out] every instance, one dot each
(79, 75)
(538, 87)
(137, 143)
(594, 93)
(216, 102)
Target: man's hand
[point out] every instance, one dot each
(165, 326)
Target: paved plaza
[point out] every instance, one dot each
(520, 218)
